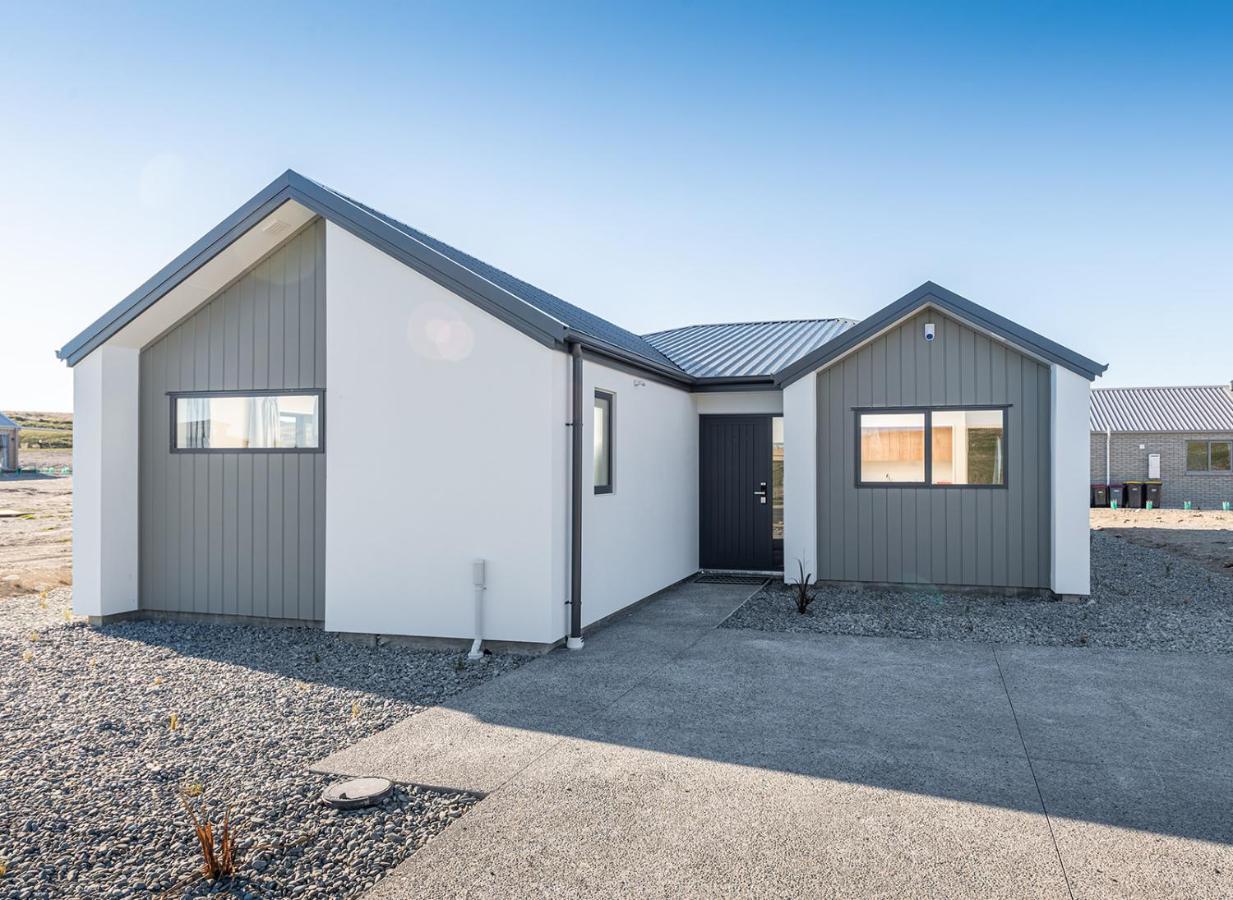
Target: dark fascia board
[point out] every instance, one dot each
(930, 294)
(325, 203)
(735, 383)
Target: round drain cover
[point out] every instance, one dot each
(357, 792)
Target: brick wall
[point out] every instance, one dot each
(1205, 489)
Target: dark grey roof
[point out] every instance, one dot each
(930, 294)
(1181, 409)
(6, 422)
(744, 349)
(754, 351)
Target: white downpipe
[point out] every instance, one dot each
(478, 579)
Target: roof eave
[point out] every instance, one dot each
(330, 206)
(932, 294)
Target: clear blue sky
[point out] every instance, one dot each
(1068, 165)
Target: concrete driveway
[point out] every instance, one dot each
(674, 759)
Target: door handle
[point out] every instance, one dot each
(761, 493)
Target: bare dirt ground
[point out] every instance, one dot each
(1202, 535)
(36, 541)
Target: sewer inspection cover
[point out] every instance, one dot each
(356, 793)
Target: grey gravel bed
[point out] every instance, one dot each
(1142, 598)
(91, 769)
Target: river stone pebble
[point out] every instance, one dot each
(92, 770)
(1142, 598)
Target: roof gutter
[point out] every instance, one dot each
(600, 348)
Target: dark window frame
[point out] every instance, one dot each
(609, 439)
(928, 412)
(1208, 443)
(173, 396)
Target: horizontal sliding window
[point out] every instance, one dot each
(942, 447)
(1209, 456)
(240, 422)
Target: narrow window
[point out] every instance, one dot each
(603, 442)
(235, 422)
(777, 478)
(892, 448)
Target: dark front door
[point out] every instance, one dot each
(735, 492)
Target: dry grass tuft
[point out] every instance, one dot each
(218, 858)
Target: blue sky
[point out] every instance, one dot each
(1068, 165)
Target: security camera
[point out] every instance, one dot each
(929, 331)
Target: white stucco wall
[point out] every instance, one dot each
(105, 410)
(800, 477)
(644, 535)
(1070, 402)
(445, 444)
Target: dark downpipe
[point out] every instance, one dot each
(575, 542)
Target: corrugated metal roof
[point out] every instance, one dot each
(573, 316)
(1203, 408)
(6, 422)
(744, 349)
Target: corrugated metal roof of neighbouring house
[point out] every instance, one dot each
(6, 422)
(744, 349)
(572, 316)
(1202, 408)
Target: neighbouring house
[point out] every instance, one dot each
(10, 433)
(319, 414)
(1179, 436)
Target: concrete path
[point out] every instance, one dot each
(671, 758)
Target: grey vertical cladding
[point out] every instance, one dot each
(237, 533)
(949, 536)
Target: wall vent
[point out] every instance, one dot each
(276, 228)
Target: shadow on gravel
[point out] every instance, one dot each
(394, 672)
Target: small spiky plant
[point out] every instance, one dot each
(218, 858)
(802, 592)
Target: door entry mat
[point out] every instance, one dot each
(729, 578)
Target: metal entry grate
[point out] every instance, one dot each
(729, 578)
